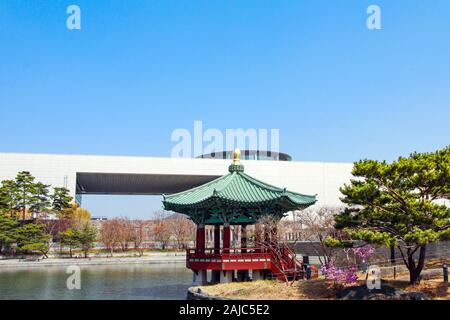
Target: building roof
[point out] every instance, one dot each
(249, 154)
(235, 198)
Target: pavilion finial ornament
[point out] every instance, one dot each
(237, 156)
(236, 165)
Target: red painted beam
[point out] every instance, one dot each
(229, 265)
(216, 239)
(200, 239)
(226, 238)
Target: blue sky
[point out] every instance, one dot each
(138, 70)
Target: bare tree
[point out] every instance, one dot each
(109, 234)
(315, 224)
(139, 233)
(124, 235)
(181, 229)
(54, 227)
(161, 228)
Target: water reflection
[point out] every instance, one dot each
(143, 281)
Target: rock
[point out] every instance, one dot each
(198, 294)
(413, 296)
(363, 293)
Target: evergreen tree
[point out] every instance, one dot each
(24, 192)
(8, 234)
(399, 204)
(40, 201)
(86, 237)
(23, 195)
(61, 200)
(7, 198)
(79, 237)
(32, 237)
(70, 238)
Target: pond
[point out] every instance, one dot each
(98, 282)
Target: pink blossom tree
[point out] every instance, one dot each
(340, 276)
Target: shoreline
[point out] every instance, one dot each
(151, 258)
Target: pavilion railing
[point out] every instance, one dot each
(229, 253)
(284, 262)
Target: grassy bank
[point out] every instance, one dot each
(272, 290)
(319, 289)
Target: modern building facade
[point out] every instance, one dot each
(87, 174)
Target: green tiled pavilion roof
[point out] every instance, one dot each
(236, 197)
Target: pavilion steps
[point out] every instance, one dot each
(284, 265)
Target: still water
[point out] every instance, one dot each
(124, 281)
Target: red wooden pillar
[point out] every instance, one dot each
(226, 238)
(200, 243)
(217, 239)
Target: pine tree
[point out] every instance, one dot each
(7, 198)
(70, 238)
(40, 201)
(399, 203)
(8, 234)
(24, 192)
(32, 237)
(86, 237)
(61, 200)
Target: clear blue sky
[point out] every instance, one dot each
(137, 70)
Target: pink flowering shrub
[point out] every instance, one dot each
(338, 275)
(364, 252)
(345, 276)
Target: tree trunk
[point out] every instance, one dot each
(414, 271)
(70, 252)
(414, 277)
(392, 255)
